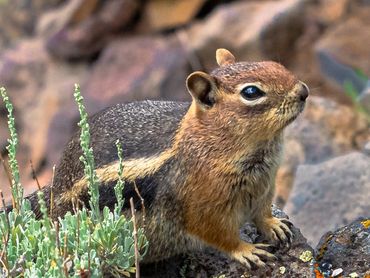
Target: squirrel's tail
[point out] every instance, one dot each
(34, 200)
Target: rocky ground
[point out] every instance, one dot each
(344, 252)
(124, 50)
(293, 262)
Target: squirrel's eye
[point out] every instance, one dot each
(251, 92)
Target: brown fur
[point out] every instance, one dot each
(234, 133)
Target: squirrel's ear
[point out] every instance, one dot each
(224, 57)
(202, 87)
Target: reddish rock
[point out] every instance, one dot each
(323, 72)
(159, 15)
(18, 18)
(332, 11)
(341, 53)
(135, 69)
(87, 32)
(70, 12)
(37, 86)
(252, 30)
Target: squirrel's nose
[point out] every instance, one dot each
(303, 91)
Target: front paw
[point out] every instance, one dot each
(255, 254)
(276, 230)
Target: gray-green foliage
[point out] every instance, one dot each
(17, 190)
(87, 242)
(88, 157)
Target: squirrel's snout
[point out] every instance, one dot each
(303, 91)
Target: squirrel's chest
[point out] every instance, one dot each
(251, 186)
(253, 181)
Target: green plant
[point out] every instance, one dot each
(88, 158)
(89, 243)
(353, 94)
(17, 190)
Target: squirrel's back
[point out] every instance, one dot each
(143, 128)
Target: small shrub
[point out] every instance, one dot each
(89, 243)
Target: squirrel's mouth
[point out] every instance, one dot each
(290, 110)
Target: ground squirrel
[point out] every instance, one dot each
(203, 168)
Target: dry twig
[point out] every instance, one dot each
(3, 255)
(65, 256)
(8, 174)
(56, 225)
(6, 168)
(137, 274)
(142, 202)
(52, 194)
(4, 207)
(34, 176)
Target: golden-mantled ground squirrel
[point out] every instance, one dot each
(203, 168)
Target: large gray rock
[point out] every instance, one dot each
(324, 130)
(364, 99)
(345, 251)
(330, 194)
(211, 263)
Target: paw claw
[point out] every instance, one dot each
(265, 254)
(256, 260)
(253, 254)
(286, 222)
(277, 230)
(262, 245)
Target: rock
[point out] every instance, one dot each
(320, 69)
(335, 129)
(255, 30)
(367, 148)
(89, 32)
(3, 127)
(135, 69)
(159, 15)
(324, 130)
(211, 263)
(38, 87)
(339, 53)
(348, 248)
(18, 18)
(128, 69)
(331, 194)
(54, 20)
(332, 11)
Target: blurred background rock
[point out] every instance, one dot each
(125, 50)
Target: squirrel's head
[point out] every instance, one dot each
(260, 98)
